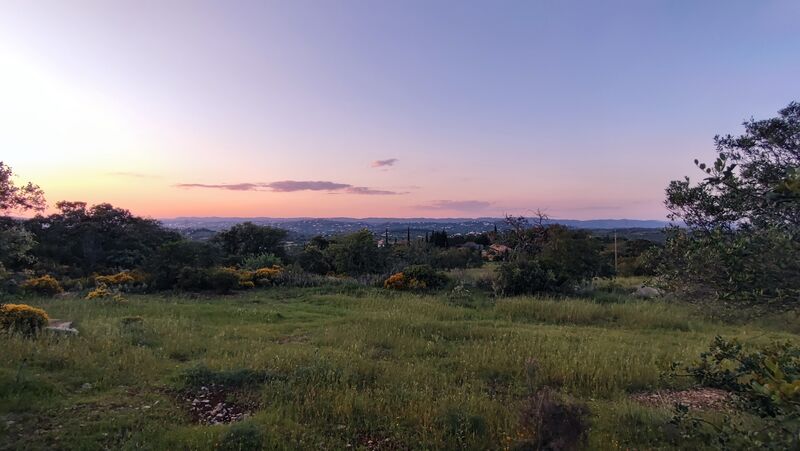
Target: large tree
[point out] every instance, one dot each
(97, 238)
(742, 239)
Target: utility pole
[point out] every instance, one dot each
(615, 252)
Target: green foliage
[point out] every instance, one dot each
(741, 267)
(765, 383)
(456, 258)
(15, 244)
(22, 319)
(524, 277)
(550, 258)
(97, 239)
(356, 254)
(313, 260)
(247, 239)
(743, 217)
(266, 260)
(223, 280)
(168, 264)
(430, 277)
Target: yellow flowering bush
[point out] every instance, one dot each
(102, 291)
(45, 285)
(22, 318)
(122, 278)
(396, 281)
(267, 276)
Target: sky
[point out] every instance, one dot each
(583, 109)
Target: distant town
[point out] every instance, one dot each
(302, 229)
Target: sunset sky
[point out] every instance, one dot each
(375, 108)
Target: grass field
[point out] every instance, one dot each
(346, 368)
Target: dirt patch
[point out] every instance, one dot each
(696, 398)
(214, 404)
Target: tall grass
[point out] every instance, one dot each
(347, 365)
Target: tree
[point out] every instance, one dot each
(15, 241)
(754, 183)
(18, 198)
(98, 238)
(357, 253)
(742, 240)
(248, 239)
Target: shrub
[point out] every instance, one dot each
(45, 285)
(765, 383)
(102, 291)
(122, 278)
(223, 280)
(396, 281)
(192, 279)
(265, 260)
(313, 260)
(553, 424)
(523, 277)
(22, 319)
(425, 275)
(457, 258)
(267, 276)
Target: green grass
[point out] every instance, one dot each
(332, 366)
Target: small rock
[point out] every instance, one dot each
(86, 386)
(645, 292)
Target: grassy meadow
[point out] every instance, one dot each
(348, 368)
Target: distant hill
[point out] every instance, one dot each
(304, 227)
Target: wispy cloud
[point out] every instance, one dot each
(370, 191)
(287, 186)
(290, 186)
(230, 187)
(384, 163)
(459, 205)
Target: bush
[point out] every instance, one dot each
(416, 277)
(193, 279)
(764, 382)
(553, 424)
(313, 260)
(102, 291)
(267, 276)
(523, 277)
(23, 319)
(223, 280)
(45, 285)
(426, 275)
(456, 258)
(396, 281)
(121, 278)
(265, 260)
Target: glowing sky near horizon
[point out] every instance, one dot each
(387, 109)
